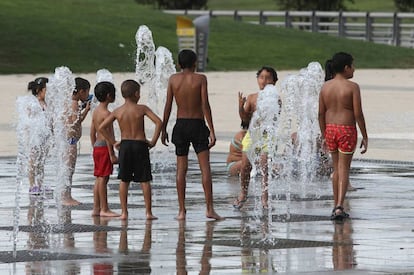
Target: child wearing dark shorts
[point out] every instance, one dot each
(133, 158)
(189, 89)
(134, 161)
(188, 130)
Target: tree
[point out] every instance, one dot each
(176, 4)
(404, 5)
(313, 5)
(322, 5)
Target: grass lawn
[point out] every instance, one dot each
(88, 35)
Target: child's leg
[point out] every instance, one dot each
(40, 167)
(71, 162)
(123, 197)
(204, 162)
(146, 190)
(96, 202)
(245, 169)
(103, 199)
(182, 166)
(265, 178)
(31, 170)
(344, 165)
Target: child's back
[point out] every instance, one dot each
(99, 114)
(187, 88)
(130, 117)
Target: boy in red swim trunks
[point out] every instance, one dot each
(133, 158)
(340, 109)
(103, 153)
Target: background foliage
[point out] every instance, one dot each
(88, 35)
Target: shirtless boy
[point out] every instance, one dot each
(189, 89)
(74, 132)
(247, 106)
(133, 158)
(340, 109)
(103, 153)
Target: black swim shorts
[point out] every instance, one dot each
(188, 131)
(134, 161)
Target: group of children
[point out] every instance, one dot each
(339, 110)
(189, 90)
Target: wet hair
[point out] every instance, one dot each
(268, 69)
(37, 85)
(81, 84)
(129, 87)
(337, 64)
(244, 125)
(103, 89)
(187, 58)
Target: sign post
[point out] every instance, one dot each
(193, 35)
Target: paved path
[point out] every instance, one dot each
(379, 239)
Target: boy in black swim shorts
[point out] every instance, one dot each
(188, 131)
(189, 89)
(133, 158)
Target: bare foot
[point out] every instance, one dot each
(351, 188)
(96, 212)
(124, 216)
(181, 215)
(213, 215)
(109, 213)
(70, 202)
(151, 217)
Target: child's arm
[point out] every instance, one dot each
(92, 133)
(85, 111)
(359, 117)
(103, 129)
(72, 118)
(158, 125)
(205, 105)
(242, 101)
(112, 155)
(167, 112)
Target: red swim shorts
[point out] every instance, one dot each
(103, 166)
(342, 138)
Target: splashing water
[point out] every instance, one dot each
(145, 68)
(164, 68)
(59, 99)
(153, 70)
(263, 130)
(33, 138)
(288, 167)
(104, 75)
(302, 157)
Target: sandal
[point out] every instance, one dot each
(339, 216)
(238, 204)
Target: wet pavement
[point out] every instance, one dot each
(378, 239)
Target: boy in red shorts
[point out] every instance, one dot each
(340, 109)
(103, 152)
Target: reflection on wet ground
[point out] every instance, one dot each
(379, 239)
